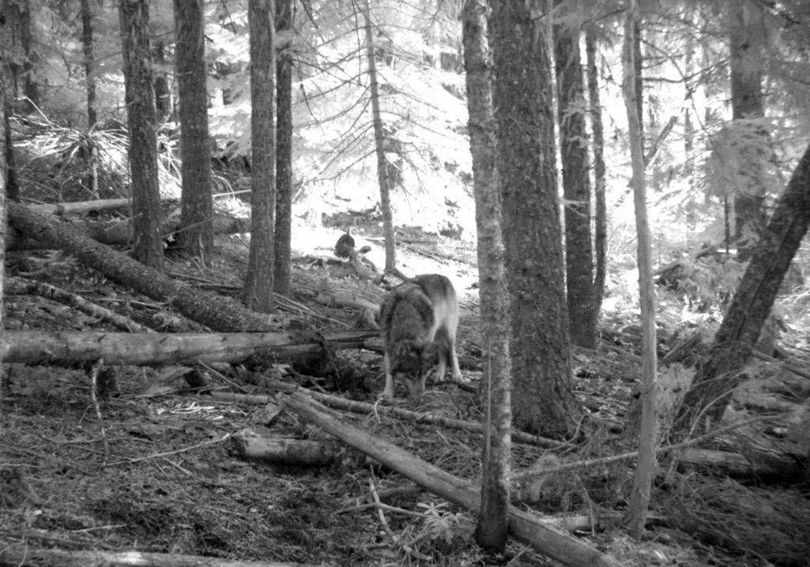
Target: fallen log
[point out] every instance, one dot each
(247, 444)
(161, 348)
(546, 539)
(769, 466)
(218, 312)
(120, 231)
(21, 555)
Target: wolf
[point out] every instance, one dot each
(418, 320)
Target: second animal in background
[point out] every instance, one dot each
(419, 319)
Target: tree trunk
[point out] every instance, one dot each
(218, 312)
(493, 296)
(9, 28)
(163, 97)
(91, 181)
(640, 495)
(542, 400)
(576, 184)
(140, 103)
(752, 302)
(12, 188)
(3, 224)
(379, 145)
(89, 62)
(600, 204)
(196, 231)
(639, 83)
(258, 291)
(284, 127)
(24, 58)
(746, 51)
(164, 348)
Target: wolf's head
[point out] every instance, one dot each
(411, 360)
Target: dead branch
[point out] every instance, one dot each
(20, 286)
(365, 408)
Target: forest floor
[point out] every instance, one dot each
(153, 470)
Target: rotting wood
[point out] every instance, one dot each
(366, 408)
(248, 444)
(218, 312)
(546, 539)
(162, 348)
(22, 555)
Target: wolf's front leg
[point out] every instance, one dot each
(388, 391)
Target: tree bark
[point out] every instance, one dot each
(163, 97)
(718, 374)
(90, 89)
(218, 312)
(121, 231)
(196, 234)
(284, 127)
(379, 146)
(746, 53)
(645, 470)
(140, 102)
(542, 400)
(163, 348)
(599, 170)
(9, 28)
(576, 183)
(4, 51)
(491, 532)
(258, 291)
(544, 538)
(89, 62)
(249, 445)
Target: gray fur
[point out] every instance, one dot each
(418, 321)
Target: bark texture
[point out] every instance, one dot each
(542, 400)
(600, 202)
(3, 223)
(258, 292)
(196, 234)
(218, 312)
(379, 145)
(284, 127)
(493, 295)
(89, 62)
(642, 482)
(752, 302)
(746, 37)
(163, 348)
(140, 102)
(576, 184)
